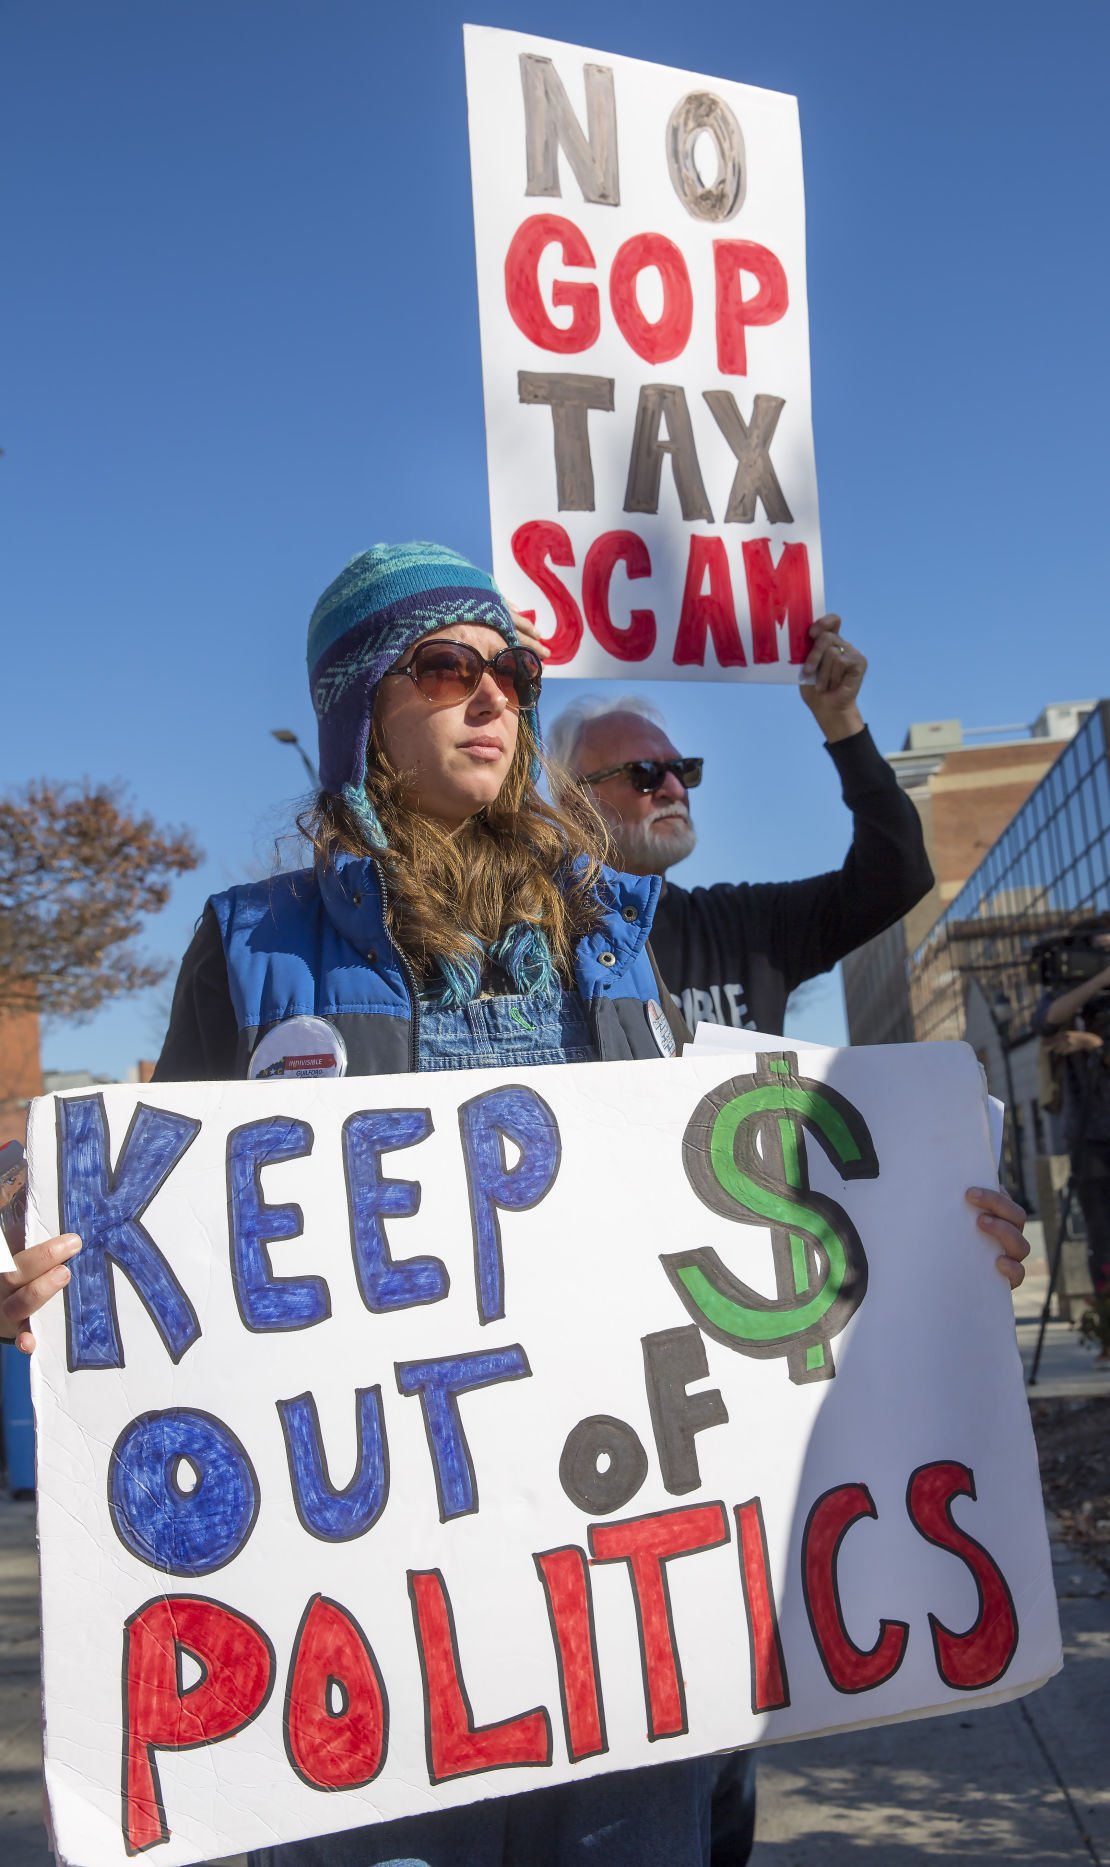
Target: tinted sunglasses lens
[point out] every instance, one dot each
(647, 774)
(518, 673)
(446, 671)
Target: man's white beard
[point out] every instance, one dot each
(642, 847)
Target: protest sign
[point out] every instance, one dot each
(640, 240)
(379, 1413)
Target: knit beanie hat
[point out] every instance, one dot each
(385, 600)
(381, 604)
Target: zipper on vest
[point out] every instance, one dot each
(410, 976)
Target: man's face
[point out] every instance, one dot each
(650, 831)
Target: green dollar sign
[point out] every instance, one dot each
(744, 1153)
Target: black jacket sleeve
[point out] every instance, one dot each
(814, 923)
(200, 1045)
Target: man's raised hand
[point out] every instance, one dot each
(832, 675)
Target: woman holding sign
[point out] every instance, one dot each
(453, 918)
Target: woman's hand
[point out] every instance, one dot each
(526, 629)
(1002, 1220)
(40, 1272)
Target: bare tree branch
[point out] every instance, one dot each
(79, 869)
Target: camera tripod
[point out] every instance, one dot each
(1076, 1159)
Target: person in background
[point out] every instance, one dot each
(733, 953)
(1075, 1026)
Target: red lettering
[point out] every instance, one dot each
(778, 594)
(342, 1747)
(522, 285)
(454, 1744)
(850, 1668)
(669, 335)
(532, 545)
(981, 1655)
(566, 1583)
(711, 611)
(635, 642)
(646, 1543)
(161, 1712)
(769, 1687)
(735, 313)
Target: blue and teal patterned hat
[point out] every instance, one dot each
(383, 602)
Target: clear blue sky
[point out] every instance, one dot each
(241, 344)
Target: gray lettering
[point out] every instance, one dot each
(570, 398)
(737, 1005)
(700, 113)
(755, 477)
(673, 1358)
(550, 125)
(659, 400)
(703, 1009)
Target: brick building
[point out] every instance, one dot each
(1046, 875)
(20, 1072)
(965, 794)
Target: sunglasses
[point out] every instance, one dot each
(647, 774)
(447, 672)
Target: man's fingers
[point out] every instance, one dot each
(832, 664)
(36, 1259)
(31, 1265)
(30, 1297)
(993, 1202)
(38, 1276)
(1002, 1219)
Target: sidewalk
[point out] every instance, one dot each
(1026, 1782)
(1068, 1370)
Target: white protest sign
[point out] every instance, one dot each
(719, 1039)
(408, 1441)
(640, 239)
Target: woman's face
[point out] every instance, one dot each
(457, 757)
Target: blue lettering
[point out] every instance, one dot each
(105, 1207)
(267, 1302)
(331, 1514)
(182, 1492)
(439, 1384)
(521, 1116)
(385, 1284)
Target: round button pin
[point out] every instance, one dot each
(299, 1048)
(660, 1029)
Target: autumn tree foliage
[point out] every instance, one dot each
(79, 869)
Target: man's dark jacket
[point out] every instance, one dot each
(733, 953)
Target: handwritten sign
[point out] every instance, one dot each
(407, 1441)
(645, 353)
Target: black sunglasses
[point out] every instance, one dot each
(647, 774)
(447, 672)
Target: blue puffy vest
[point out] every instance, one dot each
(315, 943)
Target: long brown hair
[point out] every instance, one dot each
(521, 862)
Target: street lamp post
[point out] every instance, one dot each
(286, 738)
